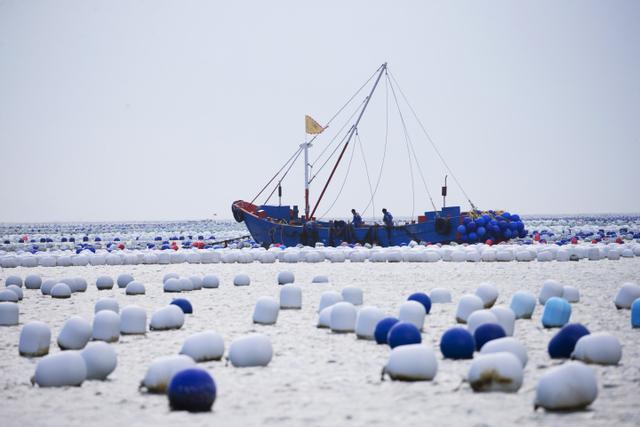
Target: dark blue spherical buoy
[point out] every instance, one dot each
(471, 226)
(423, 299)
(473, 237)
(192, 390)
(487, 332)
(382, 329)
(461, 229)
(184, 304)
(562, 344)
(457, 343)
(403, 333)
(481, 231)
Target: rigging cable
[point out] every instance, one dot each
(294, 156)
(353, 149)
(366, 167)
(410, 145)
(432, 143)
(283, 176)
(384, 152)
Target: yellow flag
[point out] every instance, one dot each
(311, 126)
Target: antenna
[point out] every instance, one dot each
(444, 193)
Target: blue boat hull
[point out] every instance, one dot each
(267, 231)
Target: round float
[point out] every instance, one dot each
(250, 350)
(100, 359)
(66, 368)
(467, 305)
(192, 390)
(35, 338)
(495, 372)
(556, 313)
(570, 386)
(106, 326)
(169, 317)
(457, 343)
(266, 311)
(343, 317)
(133, 320)
(413, 362)
(204, 346)
(564, 342)
(75, 334)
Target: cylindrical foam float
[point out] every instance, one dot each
(412, 312)
(100, 359)
(329, 298)
(480, 317)
(241, 280)
(570, 386)
(162, 370)
(204, 346)
(506, 318)
(169, 317)
(13, 280)
(185, 284)
(571, 294)
(556, 313)
(133, 320)
(550, 288)
(134, 288)
(414, 362)
(35, 338)
(366, 321)
(343, 317)
(7, 295)
(467, 305)
(285, 277)
(250, 350)
(106, 326)
(627, 294)
(324, 317)
(107, 304)
(496, 372)
(353, 295)
(61, 369)
(75, 334)
(600, 348)
(440, 296)
(509, 345)
(488, 293)
(104, 282)
(523, 304)
(266, 311)
(291, 296)
(210, 281)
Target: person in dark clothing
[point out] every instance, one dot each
(387, 218)
(357, 219)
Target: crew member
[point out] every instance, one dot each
(387, 218)
(357, 219)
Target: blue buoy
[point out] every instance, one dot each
(403, 333)
(635, 314)
(487, 332)
(461, 229)
(457, 343)
(557, 312)
(382, 329)
(184, 304)
(562, 344)
(192, 390)
(423, 299)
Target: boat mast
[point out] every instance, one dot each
(306, 146)
(352, 131)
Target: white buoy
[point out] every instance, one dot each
(9, 313)
(440, 296)
(329, 298)
(66, 368)
(320, 279)
(35, 339)
(241, 280)
(571, 294)
(172, 285)
(285, 277)
(266, 311)
(196, 282)
(106, 326)
(291, 296)
(33, 281)
(488, 293)
(343, 317)
(7, 295)
(509, 345)
(250, 350)
(185, 284)
(13, 280)
(210, 281)
(599, 348)
(550, 288)
(467, 305)
(412, 312)
(626, 295)
(61, 290)
(169, 317)
(106, 304)
(135, 288)
(353, 295)
(170, 276)
(570, 386)
(78, 284)
(124, 279)
(523, 304)
(47, 285)
(100, 359)
(104, 282)
(496, 372)
(412, 362)
(75, 334)
(506, 318)
(162, 370)
(366, 321)
(480, 317)
(133, 320)
(324, 317)
(16, 290)
(204, 346)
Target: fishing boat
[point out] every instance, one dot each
(271, 224)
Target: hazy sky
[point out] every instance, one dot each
(145, 110)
